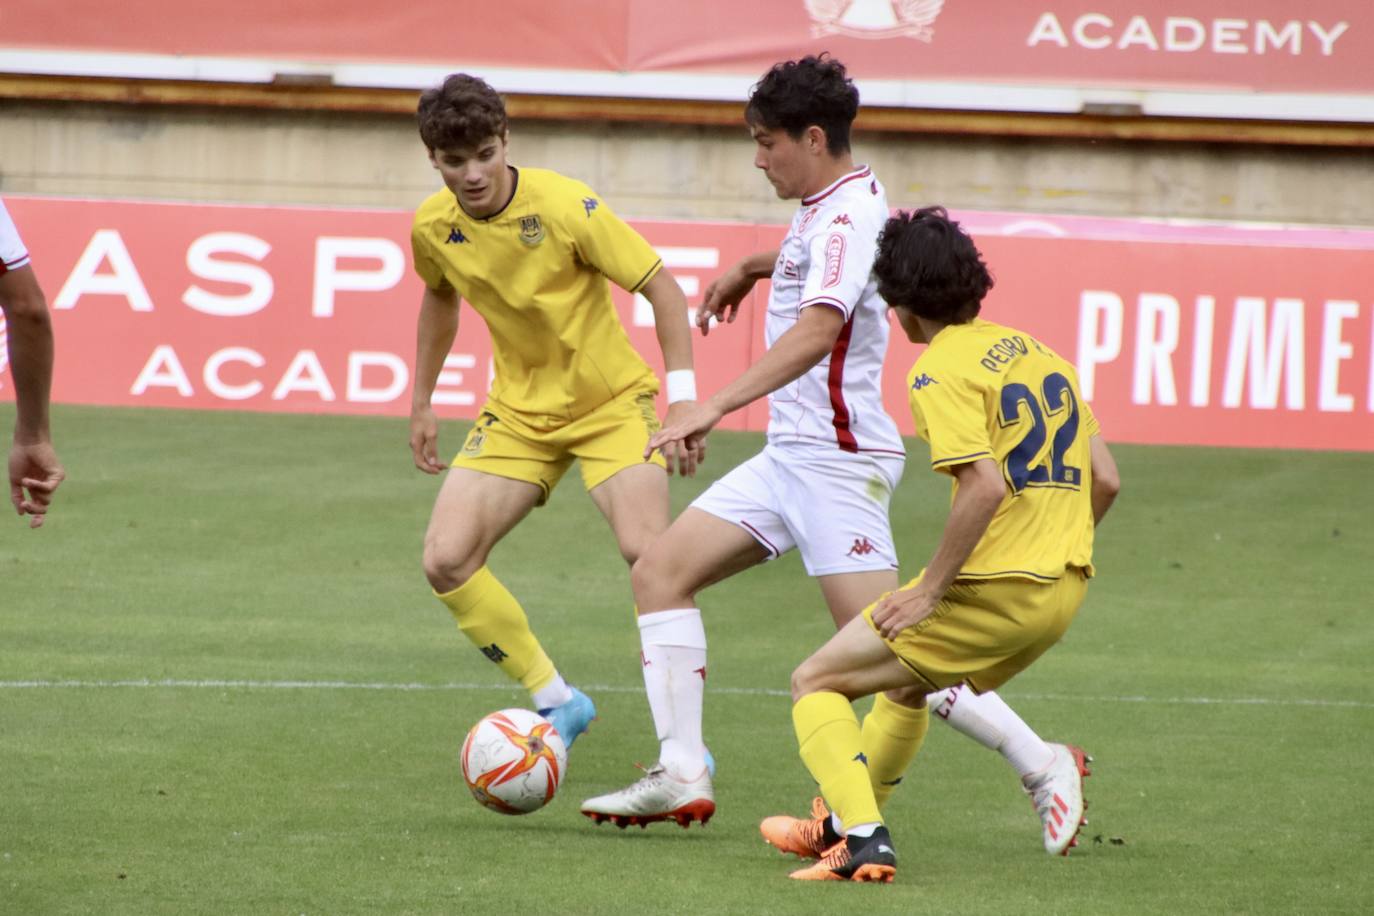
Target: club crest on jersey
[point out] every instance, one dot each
(531, 230)
(834, 260)
(874, 18)
(806, 219)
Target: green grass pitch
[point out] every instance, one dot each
(301, 756)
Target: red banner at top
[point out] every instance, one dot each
(1182, 334)
(1270, 46)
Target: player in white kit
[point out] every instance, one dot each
(824, 480)
(34, 470)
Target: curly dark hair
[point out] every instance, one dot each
(797, 94)
(929, 266)
(461, 112)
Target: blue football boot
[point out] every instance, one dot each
(572, 718)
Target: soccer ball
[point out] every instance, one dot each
(513, 761)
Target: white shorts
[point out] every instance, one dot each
(832, 505)
(12, 251)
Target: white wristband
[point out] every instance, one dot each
(682, 385)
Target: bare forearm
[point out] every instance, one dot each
(670, 320)
(1106, 479)
(787, 360)
(975, 503)
(29, 329)
(759, 265)
(435, 330)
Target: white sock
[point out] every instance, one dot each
(673, 650)
(993, 724)
(863, 830)
(555, 693)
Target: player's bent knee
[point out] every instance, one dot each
(633, 549)
(448, 569)
(808, 677)
(650, 578)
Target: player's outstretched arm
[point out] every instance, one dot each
(726, 292)
(436, 328)
(1106, 479)
(804, 345)
(675, 341)
(34, 469)
(981, 490)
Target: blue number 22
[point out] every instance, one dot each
(1057, 397)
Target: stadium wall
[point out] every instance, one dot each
(657, 170)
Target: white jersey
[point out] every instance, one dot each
(12, 252)
(826, 261)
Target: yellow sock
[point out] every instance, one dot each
(891, 736)
(490, 616)
(828, 733)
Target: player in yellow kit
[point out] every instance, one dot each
(532, 252)
(1032, 478)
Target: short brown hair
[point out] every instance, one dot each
(797, 94)
(928, 265)
(463, 111)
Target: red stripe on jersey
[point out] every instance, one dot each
(862, 173)
(843, 436)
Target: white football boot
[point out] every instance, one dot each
(658, 796)
(1057, 793)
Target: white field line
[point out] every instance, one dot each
(171, 683)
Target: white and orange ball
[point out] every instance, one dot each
(513, 761)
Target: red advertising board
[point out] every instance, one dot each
(1322, 46)
(1183, 334)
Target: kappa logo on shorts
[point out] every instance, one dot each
(861, 548)
(531, 230)
(495, 653)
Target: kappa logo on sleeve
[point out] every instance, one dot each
(834, 261)
(921, 381)
(589, 204)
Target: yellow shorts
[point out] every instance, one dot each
(607, 440)
(985, 632)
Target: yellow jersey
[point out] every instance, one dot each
(537, 273)
(983, 390)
